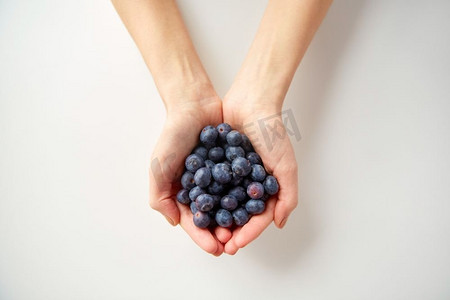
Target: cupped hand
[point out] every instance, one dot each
(262, 123)
(178, 137)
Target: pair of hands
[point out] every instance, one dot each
(180, 136)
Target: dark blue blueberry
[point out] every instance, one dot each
(216, 200)
(187, 180)
(204, 202)
(216, 154)
(271, 185)
(212, 217)
(255, 190)
(202, 177)
(195, 192)
(258, 173)
(227, 163)
(194, 162)
(228, 202)
(255, 207)
(240, 216)
(215, 188)
(223, 130)
(208, 135)
(224, 218)
(201, 151)
(265, 197)
(246, 144)
(236, 180)
(234, 138)
(201, 219)
(209, 164)
(193, 207)
(183, 196)
(254, 158)
(241, 166)
(246, 182)
(225, 146)
(222, 173)
(238, 192)
(232, 152)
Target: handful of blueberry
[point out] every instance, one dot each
(224, 180)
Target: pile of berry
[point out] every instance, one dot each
(224, 180)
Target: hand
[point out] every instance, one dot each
(279, 160)
(179, 136)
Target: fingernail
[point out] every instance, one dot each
(283, 222)
(170, 220)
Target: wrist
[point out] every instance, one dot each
(256, 94)
(188, 95)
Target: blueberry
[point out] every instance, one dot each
(209, 164)
(187, 180)
(208, 135)
(254, 158)
(229, 202)
(255, 190)
(201, 219)
(204, 202)
(224, 218)
(238, 192)
(227, 163)
(246, 144)
(202, 177)
(216, 154)
(216, 200)
(183, 196)
(195, 192)
(223, 130)
(240, 216)
(271, 185)
(258, 173)
(215, 188)
(193, 207)
(241, 166)
(246, 182)
(201, 151)
(255, 207)
(265, 197)
(236, 180)
(234, 138)
(194, 162)
(232, 152)
(222, 173)
(212, 217)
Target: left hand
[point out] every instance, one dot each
(279, 160)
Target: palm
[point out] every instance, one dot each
(279, 159)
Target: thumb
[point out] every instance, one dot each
(168, 209)
(160, 194)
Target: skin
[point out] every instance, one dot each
(257, 92)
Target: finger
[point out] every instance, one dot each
(202, 237)
(222, 234)
(230, 247)
(287, 195)
(255, 226)
(220, 247)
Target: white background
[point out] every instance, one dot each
(79, 115)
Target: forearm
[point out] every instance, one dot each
(285, 33)
(163, 40)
